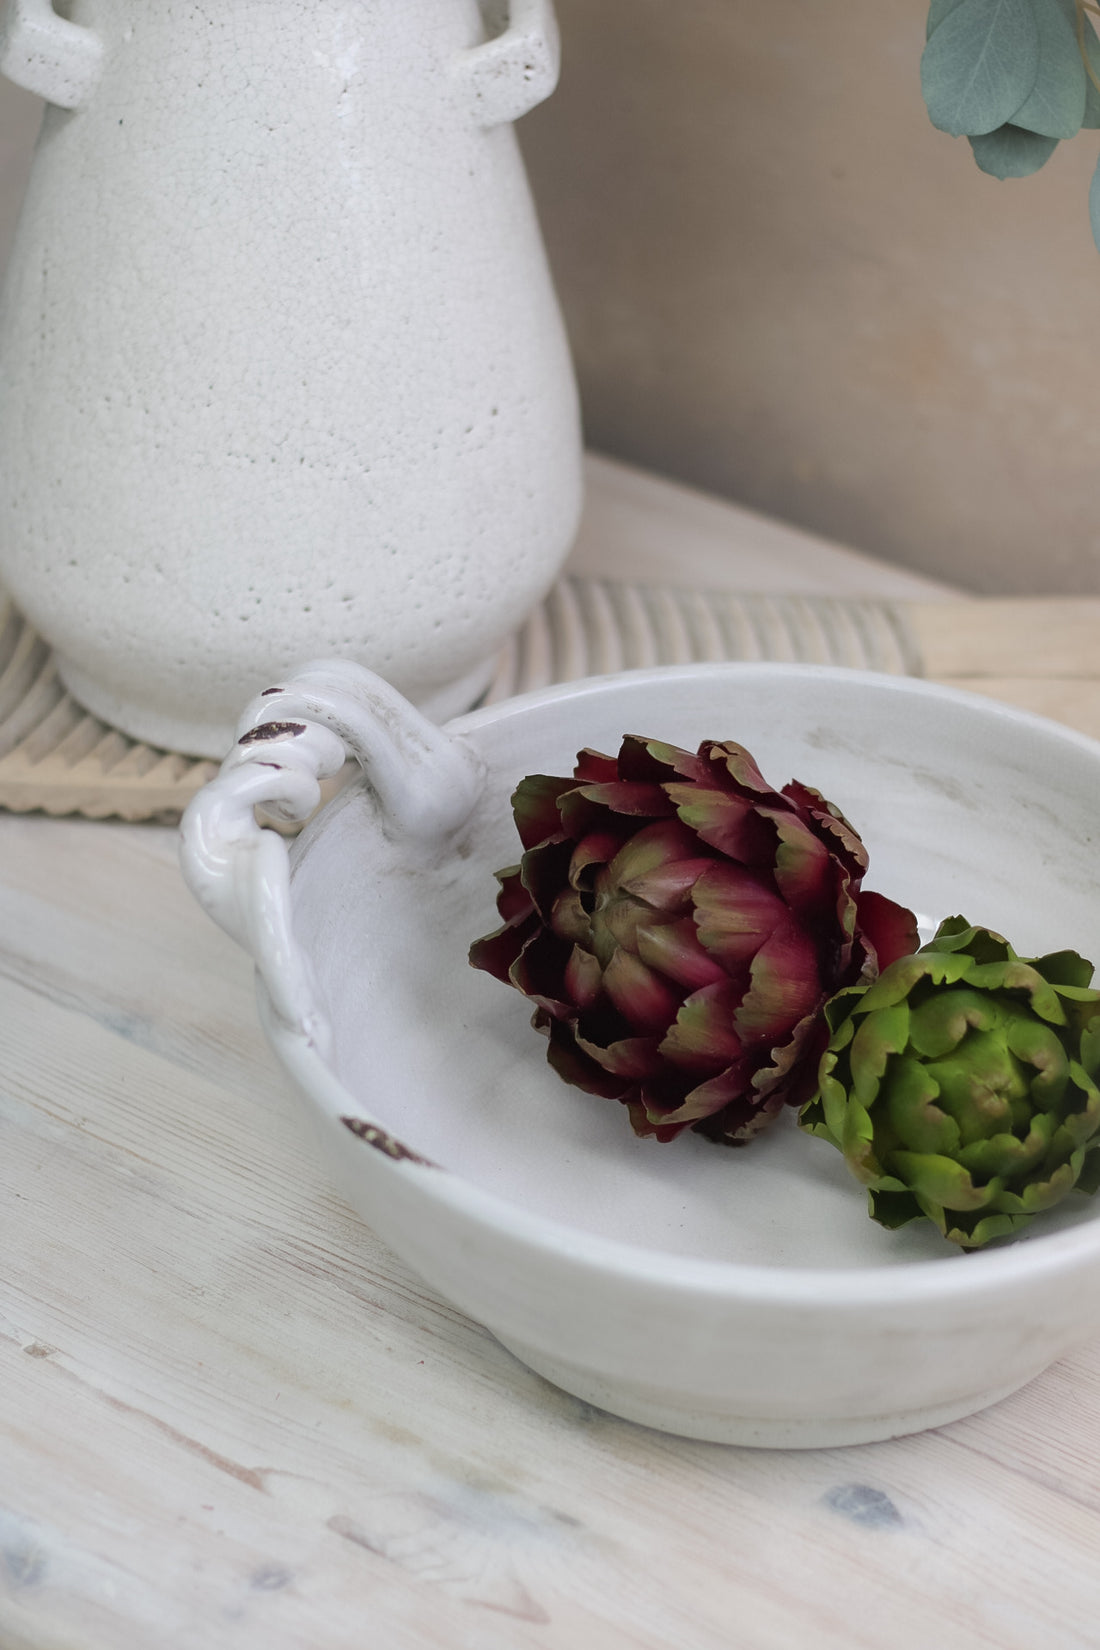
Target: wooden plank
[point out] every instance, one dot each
(1009, 637)
(640, 526)
(1074, 700)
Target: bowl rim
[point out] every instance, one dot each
(583, 687)
(896, 1284)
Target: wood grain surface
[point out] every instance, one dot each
(1039, 653)
(230, 1419)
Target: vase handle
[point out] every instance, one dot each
(46, 54)
(426, 783)
(515, 70)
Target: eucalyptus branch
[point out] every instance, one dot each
(1015, 78)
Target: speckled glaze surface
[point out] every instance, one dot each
(281, 367)
(742, 1297)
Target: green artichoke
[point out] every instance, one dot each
(961, 1085)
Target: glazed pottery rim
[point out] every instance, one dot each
(997, 1270)
(877, 680)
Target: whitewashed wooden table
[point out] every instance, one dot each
(230, 1418)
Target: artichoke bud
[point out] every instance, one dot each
(961, 1085)
(679, 926)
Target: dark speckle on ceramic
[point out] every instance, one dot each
(383, 1142)
(271, 730)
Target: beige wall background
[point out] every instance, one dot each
(782, 285)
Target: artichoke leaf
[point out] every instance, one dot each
(838, 1016)
(1088, 1180)
(882, 1033)
(1044, 1194)
(1044, 998)
(857, 1144)
(979, 1083)
(901, 978)
(1090, 1047)
(941, 1180)
(916, 1120)
(981, 945)
(1004, 1155)
(1081, 1122)
(1036, 1045)
(826, 1107)
(893, 1208)
(941, 1022)
(1066, 968)
(986, 1230)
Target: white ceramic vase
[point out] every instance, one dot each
(282, 371)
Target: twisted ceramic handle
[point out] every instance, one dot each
(291, 738)
(46, 54)
(516, 69)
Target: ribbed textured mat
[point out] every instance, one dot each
(56, 758)
(589, 627)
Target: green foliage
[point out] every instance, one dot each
(980, 65)
(937, 11)
(1014, 77)
(1010, 152)
(1094, 204)
(1056, 105)
(961, 1085)
(1087, 38)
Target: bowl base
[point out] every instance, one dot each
(632, 1401)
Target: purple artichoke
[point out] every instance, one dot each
(679, 926)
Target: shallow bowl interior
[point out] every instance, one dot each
(965, 806)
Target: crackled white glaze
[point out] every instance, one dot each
(282, 372)
(740, 1297)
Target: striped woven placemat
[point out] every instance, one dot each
(58, 759)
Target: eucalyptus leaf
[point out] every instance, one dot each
(1094, 205)
(1092, 91)
(980, 65)
(1056, 106)
(1010, 152)
(937, 11)
(1092, 49)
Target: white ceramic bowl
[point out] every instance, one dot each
(737, 1296)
